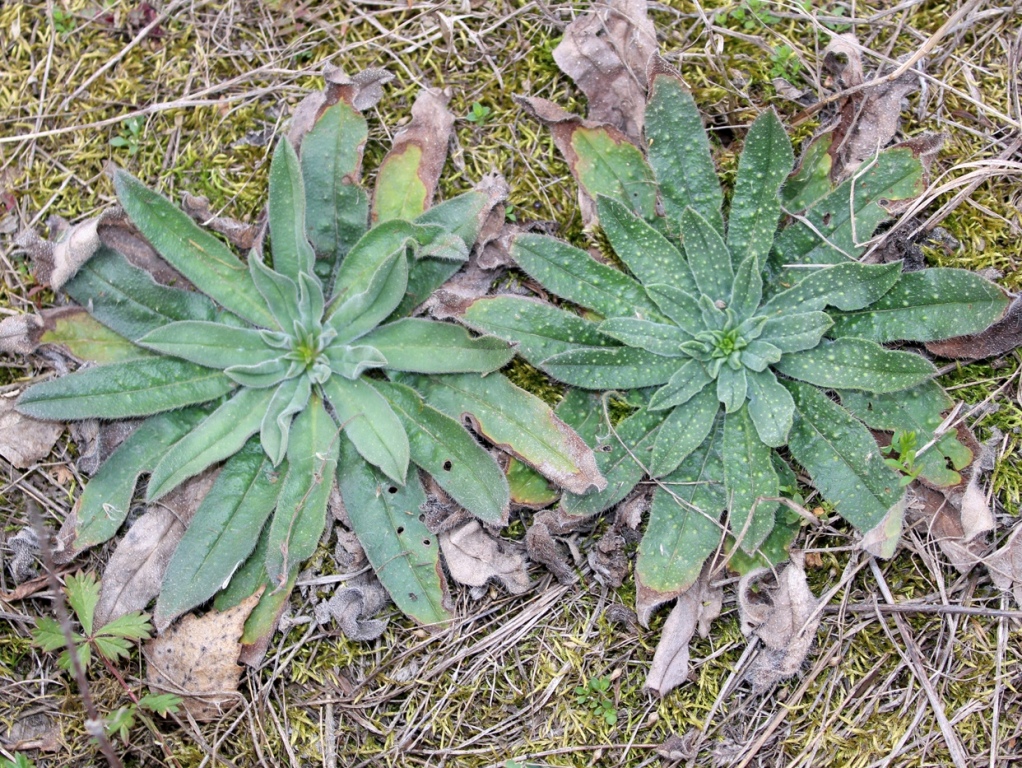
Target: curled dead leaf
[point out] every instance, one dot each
(24, 440)
(783, 616)
(605, 52)
(694, 611)
(999, 339)
(474, 558)
(1005, 565)
(361, 91)
(353, 605)
(543, 548)
(197, 659)
(239, 233)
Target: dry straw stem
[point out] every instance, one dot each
(215, 89)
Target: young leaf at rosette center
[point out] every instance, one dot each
(106, 500)
(732, 386)
(857, 364)
(337, 208)
(679, 149)
(221, 535)
(213, 345)
(402, 551)
(444, 448)
(416, 345)
(842, 458)
(370, 424)
(288, 399)
(518, 422)
(771, 408)
(292, 253)
(648, 254)
(927, 305)
(766, 161)
(750, 478)
(192, 251)
(304, 492)
(124, 390)
(685, 383)
(538, 329)
(279, 291)
(128, 300)
(683, 431)
(683, 529)
(359, 313)
(220, 435)
(708, 257)
(573, 275)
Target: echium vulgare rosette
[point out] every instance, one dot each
(298, 371)
(732, 341)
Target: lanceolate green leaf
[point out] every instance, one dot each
(842, 458)
(747, 290)
(124, 390)
(192, 251)
(683, 431)
(371, 425)
(750, 478)
(765, 163)
(402, 551)
(610, 368)
(539, 330)
(400, 192)
(684, 525)
(679, 151)
(857, 364)
(106, 500)
(279, 291)
(86, 338)
(770, 407)
(659, 338)
(292, 253)
(680, 306)
(427, 346)
(608, 164)
(128, 300)
(445, 449)
(573, 275)
(219, 537)
(301, 508)
(648, 254)
(849, 285)
(793, 333)
(518, 422)
(685, 383)
(337, 208)
(289, 398)
(363, 311)
(927, 305)
(708, 257)
(220, 435)
(210, 344)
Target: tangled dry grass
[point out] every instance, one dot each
(914, 665)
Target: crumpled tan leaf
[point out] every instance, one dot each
(238, 233)
(474, 558)
(352, 607)
(197, 659)
(1005, 565)
(694, 611)
(136, 569)
(24, 440)
(605, 52)
(542, 546)
(57, 261)
(782, 615)
(362, 91)
(609, 558)
(867, 119)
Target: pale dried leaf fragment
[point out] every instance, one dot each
(605, 52)
(942, 518)
(353, 605)
(542, 546)
(57, 261)
(999, 339)
(239, 233)
(694, 611)
(24, 440)
(783, 616)
(20, 334)
(136, 569)
(362, 91)
(882, 539)
(1005, 565)
(197, 659)
(474, 558)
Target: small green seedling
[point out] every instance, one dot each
(901, 456)
(130, 136)
(19, 761)
(784, 62)
(63, 21)
(752, 14)
(478, 114)
(594, 695)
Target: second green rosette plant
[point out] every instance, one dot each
(734, 341)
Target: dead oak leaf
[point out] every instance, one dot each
(197, 659)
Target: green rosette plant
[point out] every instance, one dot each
(734, 342)
(300, 370)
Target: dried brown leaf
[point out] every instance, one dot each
(999, 339)
(353, 605)
(20, 334)
(239, 233)
(474, 558)
(942, 518)
(362, 92)
(197, 659)
(782, 616)
(57, 261)
(136, 569)
(695, 609)
(1005, 565)
(605, 52)
(24, 440)
(543, 548)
